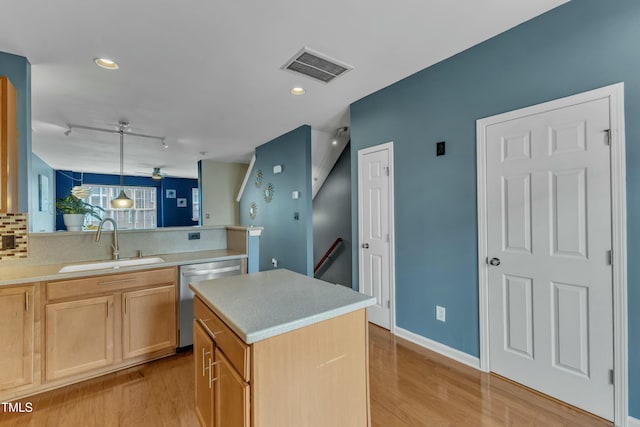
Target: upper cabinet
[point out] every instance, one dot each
(8, 148)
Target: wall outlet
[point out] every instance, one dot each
(441, 313)
(274, 262)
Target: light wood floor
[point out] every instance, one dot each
(410, 386)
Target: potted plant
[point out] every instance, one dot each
(74, 210)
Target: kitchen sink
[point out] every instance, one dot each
(110, 265)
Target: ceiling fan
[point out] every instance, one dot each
(157, 173)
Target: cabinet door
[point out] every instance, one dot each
(16, 336)
(149, 322)
(8, 147)
(203, 354)
(232, 394)
(80, 336)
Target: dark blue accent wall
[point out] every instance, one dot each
(172, 215)
(169, 215)
(288, 240)
(577, 47)
(18, 69)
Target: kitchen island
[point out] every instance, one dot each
(277, 348)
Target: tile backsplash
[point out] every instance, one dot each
(14, 224)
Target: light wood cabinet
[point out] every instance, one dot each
(222, 394)
(149, 322)
(203, 352)
(8, 148)
(80, 336)
(17, 315)
(232, 394)
(103, 323)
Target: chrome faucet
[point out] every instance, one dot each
(114, 246)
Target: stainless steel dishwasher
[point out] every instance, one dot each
(197, 273)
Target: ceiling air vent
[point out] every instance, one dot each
(315, 65)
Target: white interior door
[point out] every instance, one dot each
(549, 239)
(375, 232)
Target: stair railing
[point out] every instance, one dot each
(327, 255)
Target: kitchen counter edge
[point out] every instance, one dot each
(252, 334)
(17, 275)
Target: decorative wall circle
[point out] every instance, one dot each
(253, 210)
(258, 178)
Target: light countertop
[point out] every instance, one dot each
(13, 275)
(261, 305)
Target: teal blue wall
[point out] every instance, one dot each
(253, 254)
(577, 47)
(288, 240)
(18, 69)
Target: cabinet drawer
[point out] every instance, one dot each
(229, 343)
(108, 283)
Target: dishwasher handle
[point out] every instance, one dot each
(193, 273)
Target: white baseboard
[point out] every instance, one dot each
(445, 350)
(633, 422)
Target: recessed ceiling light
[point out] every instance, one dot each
(297, 90)
(334, 142)
(106, 63)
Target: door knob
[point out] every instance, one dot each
(494, 261)
(365, 246)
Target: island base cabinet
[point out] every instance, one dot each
(232, 394)
(17, 309)
(203, 352)
(149, 322)
(315, 376)
(80, 336)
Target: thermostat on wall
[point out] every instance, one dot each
(277, 169)
(295, 195)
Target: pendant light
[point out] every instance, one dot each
(122, 201)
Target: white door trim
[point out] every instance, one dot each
(392, 253)
(615, 94)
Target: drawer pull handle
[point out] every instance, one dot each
(203, 322)
(203, 357)
(211, 365)
(111, 282)
(26, 301)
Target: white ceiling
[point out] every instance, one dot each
(206, 74)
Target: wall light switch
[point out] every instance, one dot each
(441, 313)
(295, 195)
(277, 169)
